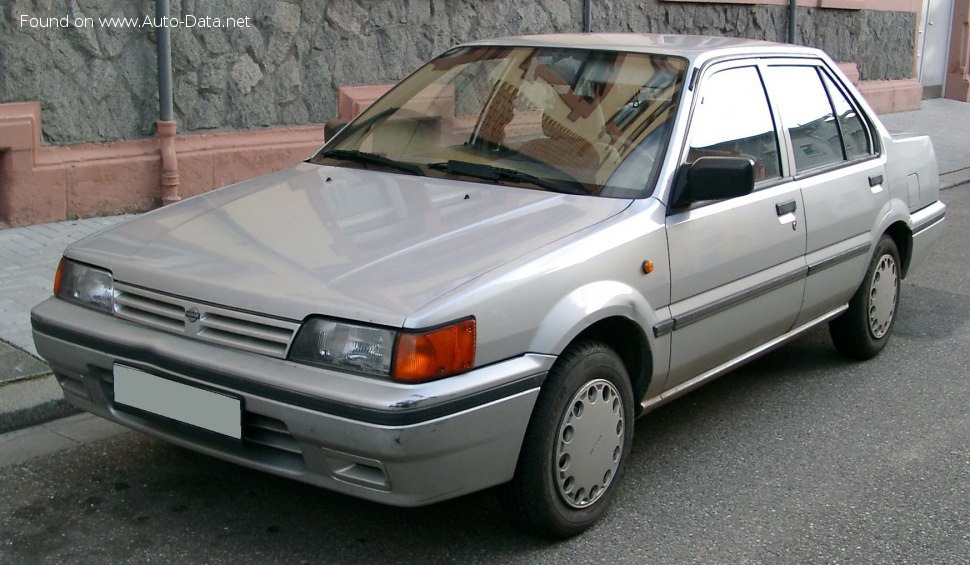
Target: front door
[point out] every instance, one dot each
(737, 265)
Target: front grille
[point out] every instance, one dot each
(150, 312)
(224, 326)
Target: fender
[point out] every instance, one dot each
(597, 301)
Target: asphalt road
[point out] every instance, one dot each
(798, 457)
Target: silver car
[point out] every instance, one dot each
(488, 274)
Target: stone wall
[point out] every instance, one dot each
(98, 82)
(881, 43)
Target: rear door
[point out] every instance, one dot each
(839, 171)
(737, 265)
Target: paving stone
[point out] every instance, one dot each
(23, 445)
(86, 429)
(18, 447)
(16, 364)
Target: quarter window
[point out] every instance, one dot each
(854, 132)
(805, 110)
(733, 119)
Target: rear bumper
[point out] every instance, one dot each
(927, 228)
(405, 445)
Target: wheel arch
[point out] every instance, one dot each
(902, 236)
(612, 313)
(629, 341)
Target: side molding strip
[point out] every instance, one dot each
(697, 381)
(723, 304)
(716, 307)
(663, 328)
(838, 258)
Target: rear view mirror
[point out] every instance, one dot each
(713, 178)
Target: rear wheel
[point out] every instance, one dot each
(863, 330)
(576, 445)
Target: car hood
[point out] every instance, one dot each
(355, 244)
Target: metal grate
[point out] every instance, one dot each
(231, 328)
(270, 433)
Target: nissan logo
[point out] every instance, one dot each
(192, 315)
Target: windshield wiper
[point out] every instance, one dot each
(373, 159)
(488, 172)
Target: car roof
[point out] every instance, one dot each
(693, 47)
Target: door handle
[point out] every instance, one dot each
(875, 180)
(786, 207)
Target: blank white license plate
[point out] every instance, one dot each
(209, 410)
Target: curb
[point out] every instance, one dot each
(35, 415)
(31, 401)
(29, 392)
(47, 439)
(954, 178)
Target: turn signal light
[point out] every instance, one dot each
(57, 277)
(434, 354)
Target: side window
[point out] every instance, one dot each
(732, 119)
(806, 112)
(854, 131)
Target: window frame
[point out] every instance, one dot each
(874, 145)
(704, 76)
(820, 67)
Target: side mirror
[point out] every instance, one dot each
(713, 178)
(332, 128)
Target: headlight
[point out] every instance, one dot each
(337, 345)
(87, 286)
(407, 356)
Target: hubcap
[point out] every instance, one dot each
(590, 444)
(882, 296)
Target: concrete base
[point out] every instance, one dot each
(352, 100)
(41, 184)
(886, 96)
(957, 87)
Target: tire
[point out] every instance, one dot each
(556, 493)
(863, 330)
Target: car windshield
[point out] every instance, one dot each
(567, 120)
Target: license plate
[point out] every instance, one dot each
(194, 406)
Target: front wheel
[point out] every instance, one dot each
(576, 445)
(863, 330)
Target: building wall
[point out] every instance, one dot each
(98, 83)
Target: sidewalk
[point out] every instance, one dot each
(29, 394)
(945, 121)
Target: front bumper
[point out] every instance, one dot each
(405, 445)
